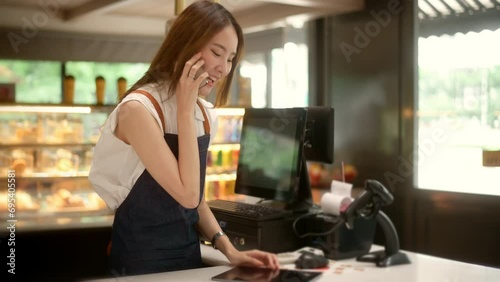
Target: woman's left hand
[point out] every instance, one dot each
(254, 258)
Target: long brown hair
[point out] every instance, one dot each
(189, 33)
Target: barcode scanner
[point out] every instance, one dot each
(368, 205)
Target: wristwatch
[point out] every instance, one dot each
(216, 237)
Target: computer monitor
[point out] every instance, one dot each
(270, 160)
(274, 147)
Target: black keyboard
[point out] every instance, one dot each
(248, 211)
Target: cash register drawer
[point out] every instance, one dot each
(272, 235)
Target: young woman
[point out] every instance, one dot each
(149, 163)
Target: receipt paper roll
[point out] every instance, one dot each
(334, 204)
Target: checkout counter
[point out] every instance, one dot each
(423, 268)
(391, 263)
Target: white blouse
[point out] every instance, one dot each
(115, 165)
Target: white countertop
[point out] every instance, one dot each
(423, 268)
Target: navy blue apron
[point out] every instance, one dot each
(151, 231)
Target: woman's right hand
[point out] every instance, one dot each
(187, 88)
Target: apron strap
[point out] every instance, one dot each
(206, 124)
(155, 104)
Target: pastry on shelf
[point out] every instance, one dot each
(26, 132)
(58, 161)
(64, 164)
(95, 202)
(65, 199)
(22, 162)
(19, 165)
(23, 202)
(68, 131)
(66, 160)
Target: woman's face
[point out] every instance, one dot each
(218, 55)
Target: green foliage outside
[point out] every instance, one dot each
(460, 93)
(36, 81)
(41, 81)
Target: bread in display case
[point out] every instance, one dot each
(49, 149)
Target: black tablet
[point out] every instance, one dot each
(254, 274)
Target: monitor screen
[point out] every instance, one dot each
(270, 160)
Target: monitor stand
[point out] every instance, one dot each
(303, 197)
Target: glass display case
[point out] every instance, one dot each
(48, 151)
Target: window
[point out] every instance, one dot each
(41, 81)
(277, 70)
(35, 81)
(253, 69)
(290, 72)
(458, 111)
